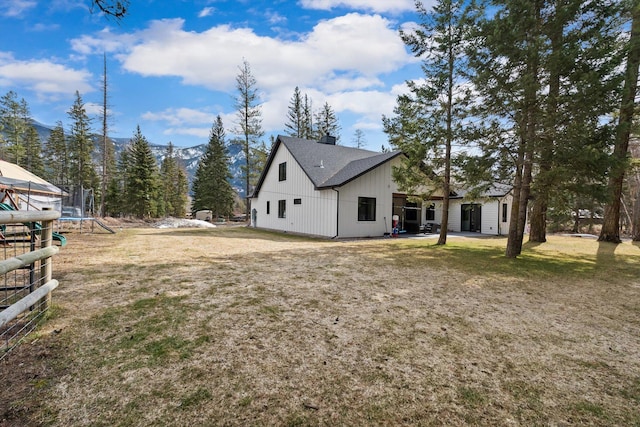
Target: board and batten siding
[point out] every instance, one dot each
(491, 222)
(378, 184)
(316, 213)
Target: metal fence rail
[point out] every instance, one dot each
(26, 240)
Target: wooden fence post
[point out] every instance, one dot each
(46, 240)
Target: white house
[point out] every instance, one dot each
(489, 213)
(324, 189)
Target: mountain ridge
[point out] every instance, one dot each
(189, 157)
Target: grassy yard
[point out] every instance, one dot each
(232, 326)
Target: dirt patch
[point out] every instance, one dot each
(231, 326)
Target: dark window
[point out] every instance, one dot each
(411, 211)
(431, 212)
(282, 208)
(297, 201)
(282, 171)
(504, 212)
(268, 207)
(366, 209)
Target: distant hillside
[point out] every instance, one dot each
(189, 156)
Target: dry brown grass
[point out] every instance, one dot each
(239, 327)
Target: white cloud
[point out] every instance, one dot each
(341, 60)
(16, 8)
(207, 11)
(200, 132)
(44, 77)
(188, 121)
(368, 46)
(379, 6)
(103, 41)
(181, 116)
(275, 18)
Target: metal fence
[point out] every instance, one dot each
(26, 240)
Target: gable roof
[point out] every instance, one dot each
(327, 165)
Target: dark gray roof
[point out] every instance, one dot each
(328, 165)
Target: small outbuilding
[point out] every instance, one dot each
(23, 190)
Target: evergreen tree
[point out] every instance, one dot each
(430, 120)
(327, 123)
(141, 179)
(580, 58)
(56, 156)
(611, 226)
(33, 152)
(307, 119)
(107, 150)
(509, 79)
(81, 168)
(14, 121)
(295, 125)
(211, 188)
(114, 197)
(175, 185)
(249, 122)
(259, 155)
(359, 140)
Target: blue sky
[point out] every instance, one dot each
(172, 64)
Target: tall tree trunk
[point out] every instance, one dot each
(635, 226)
(528, 143)
(611, 225)
(446, 188)
(513, 248)
(538, 232)
(105, 148)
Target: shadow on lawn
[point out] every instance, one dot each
(239, 232)
(606, 254)
(491, 260)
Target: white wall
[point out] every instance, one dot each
(378, 184)
(491, 215)
(315, 215)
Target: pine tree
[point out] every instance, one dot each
(307, 119)
(611, 226)
(580, 58)
(56, 156)
(359, 140)
(327, 123)
(295, 125)
(430, 120)
(211, 188)
(33, 152)
(141, 181)
(249, 124)
(545, 71)
(82, 171)
(175, 185)
(14, 121)
(107, 150)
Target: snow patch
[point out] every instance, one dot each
(183, 223)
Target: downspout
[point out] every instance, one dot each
(337, 212)
(499, 216)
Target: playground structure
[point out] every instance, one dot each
(78, 206)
